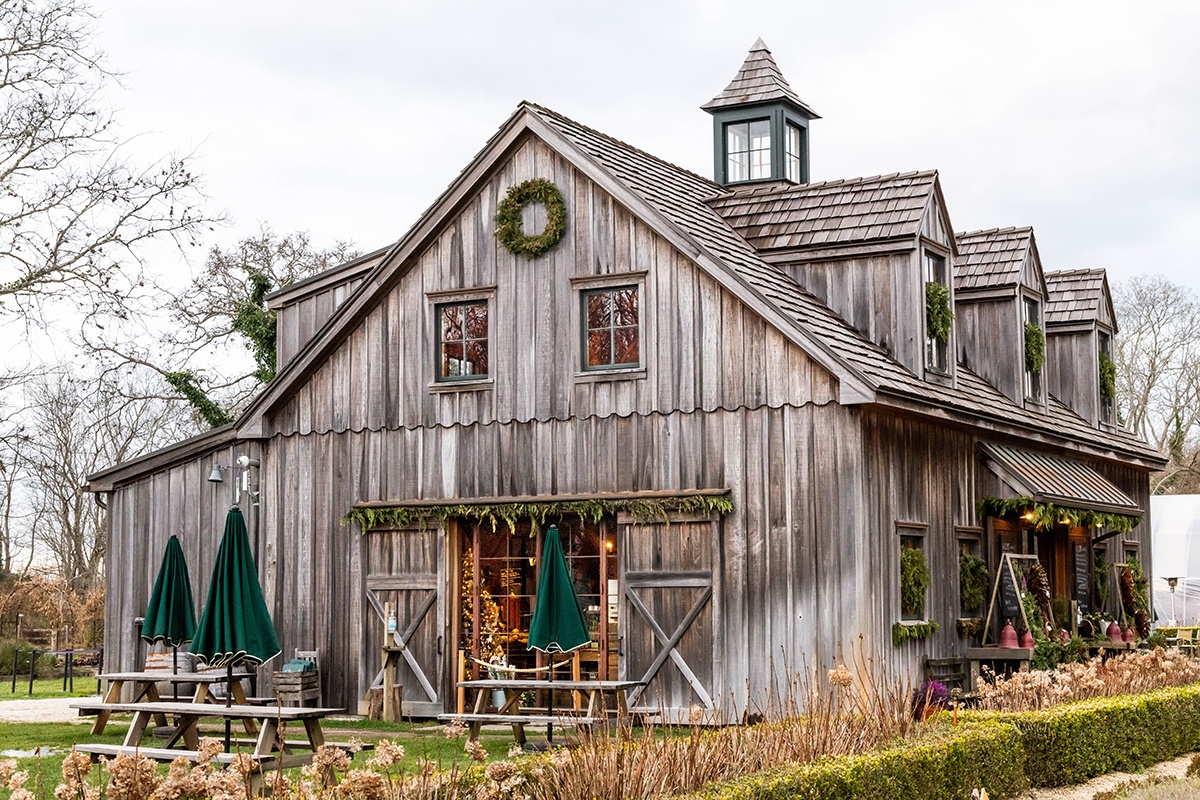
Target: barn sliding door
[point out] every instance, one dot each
(405, 570)
(666, 618)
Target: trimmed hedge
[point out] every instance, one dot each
(941, 768)
(1075, 742)
(1004, 753)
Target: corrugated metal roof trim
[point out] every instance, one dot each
(1061, 481)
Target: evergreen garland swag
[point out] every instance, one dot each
(1108, 377)
(938, 315)
(1045, 516)
(972, 581)
(642, 510)
(1035, 348)
(912, 631)
(914, 580)
(508, 218)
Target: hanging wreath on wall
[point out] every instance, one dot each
(508, 218)
(1035, 348)
(938, 315)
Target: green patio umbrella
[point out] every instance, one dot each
(171, 614)
(558, 625)
(235, 628)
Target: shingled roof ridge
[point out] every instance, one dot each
(1022, 229)
(540, 109)
(746, 190)
(1059, 274)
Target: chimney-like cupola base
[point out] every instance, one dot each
(760, 126)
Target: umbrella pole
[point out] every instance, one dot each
(228, 699)
(175, 671)
(550, 724)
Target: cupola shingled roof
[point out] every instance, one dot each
(758, 81)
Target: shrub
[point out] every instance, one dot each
(944, 766)
(45, 664)
(1073, 743)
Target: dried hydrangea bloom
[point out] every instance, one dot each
(453, 730)
(7, 768)
(840, 677)
(475, 751)
(132, 778)
(387, 754)
(364, 784)
(209, 749)
(500, 771)
(17, 779)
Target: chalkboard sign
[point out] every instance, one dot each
(1010, 598)
(1082, 593)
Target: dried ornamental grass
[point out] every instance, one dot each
(1127, 673)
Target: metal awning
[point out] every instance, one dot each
(1060, 481)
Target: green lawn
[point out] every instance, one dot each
(420, 740)
(45, 687)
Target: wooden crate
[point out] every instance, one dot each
(297, 687)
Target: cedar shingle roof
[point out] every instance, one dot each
(990, 259)
(758, 81)
(834, 212)
(1075, 295)
(683, 197)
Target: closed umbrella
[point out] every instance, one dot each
(235, 628)
(558, 625)
(171, 614)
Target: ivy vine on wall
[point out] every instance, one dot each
(1108, 377)
(1045, 516)
(1035, 348)
(508, 218)
(938, 315)
(641, 509)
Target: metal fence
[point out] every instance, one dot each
(66, 661)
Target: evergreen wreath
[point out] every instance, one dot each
(1035, 348)
(1108, 377)
(938, 315)
(508, 218)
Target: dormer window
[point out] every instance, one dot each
(748, 150)
(1107, 372)
(937, 314)
(1035, 349)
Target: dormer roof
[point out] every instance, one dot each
(997, 258)
(1078, 295)
(830, 213)
(758, 81)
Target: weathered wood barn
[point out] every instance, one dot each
(734, 397)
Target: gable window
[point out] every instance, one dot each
(937, 348)
(748, 150)
(1033, 377)
(462, 341)
(793, 148)
(610, 328)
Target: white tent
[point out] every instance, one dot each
(1175, 534)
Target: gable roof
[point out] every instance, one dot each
(831, 213)
(676, 203)
(1078, 295)
(758, 81)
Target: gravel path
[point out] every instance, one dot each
(1176, 768)
(54, 709)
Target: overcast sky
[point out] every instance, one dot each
(348, 119)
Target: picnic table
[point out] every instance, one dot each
(268, 750)
(515, 688)
(147, 691)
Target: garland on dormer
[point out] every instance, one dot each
(1108, 377)
(1035, 348)
(508, 218)
(938, 315)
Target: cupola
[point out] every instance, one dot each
(760, 126)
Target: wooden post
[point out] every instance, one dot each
(390, 712)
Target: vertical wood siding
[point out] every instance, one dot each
(297, 322)
(1073, 371)
(990, 342)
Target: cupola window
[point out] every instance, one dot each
(748, 150)
(793, 155)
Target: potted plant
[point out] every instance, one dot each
(929, 698)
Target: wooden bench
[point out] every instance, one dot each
(475, 722)
(167, 754)
(954, 674)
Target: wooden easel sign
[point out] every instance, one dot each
(1008, 591)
